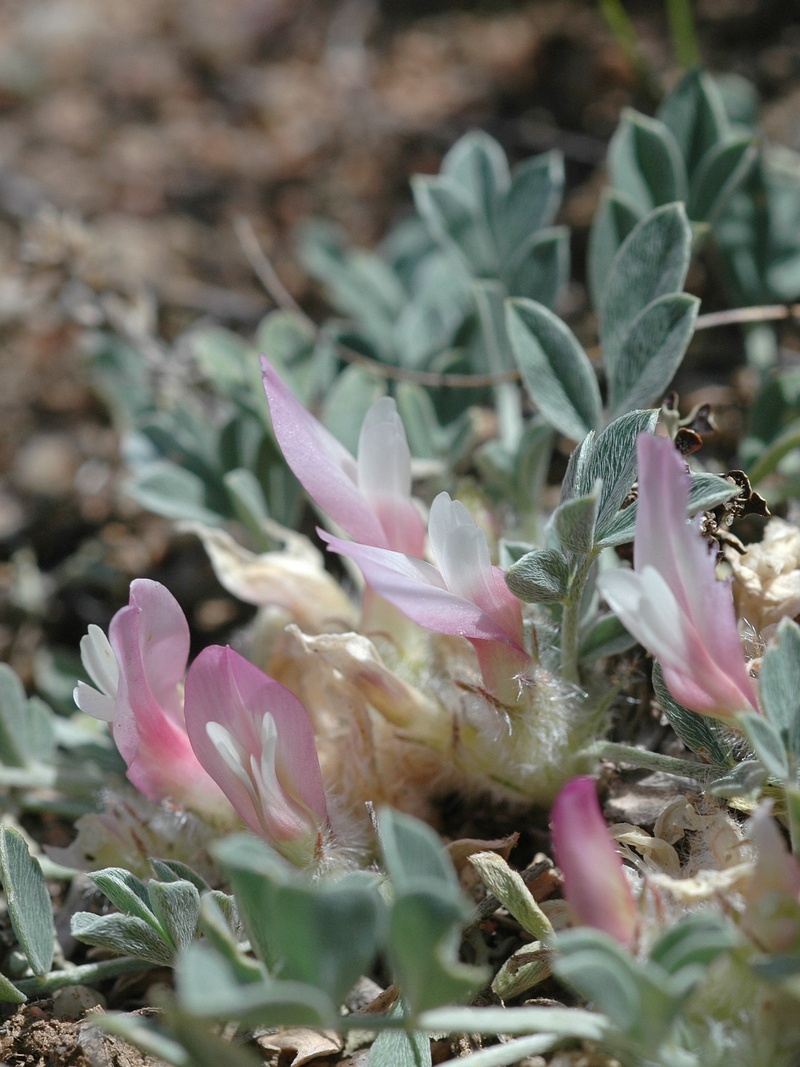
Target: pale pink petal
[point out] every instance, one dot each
(324, 468)
(462, 555)
(384, 477)
(674, 546)
(225, 689)
(150, 638)
(595, 884)
(418, 590)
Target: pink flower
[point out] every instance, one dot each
(255, 739)
(672, 602)
(463, 595)
(594, 880)
(370, 498)
(139, 674)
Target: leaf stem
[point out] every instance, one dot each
(683, 33)
(83, 975)
(653, 761)
(570, 620)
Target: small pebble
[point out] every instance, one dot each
(75, 1001)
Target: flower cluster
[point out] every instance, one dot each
(223, 738)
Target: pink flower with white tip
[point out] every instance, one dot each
(368, 497)
(138, 671)
(463, 595)
(672, 602)
(255, 739)
(595, 884)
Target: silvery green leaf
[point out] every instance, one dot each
(423, 949)
(575, 476)
(477, 164)
(327, 935)
(612, 461)
(596, 966)
(645, 162)
(125, 934)
(745, 780)
(652, 261)
(216, 928)
(556, 371)
(566, 1022)
(415, 858)
(13, 706)
(255, 873)
(523, 970)
(396, 1048)
(695, 939)
(172, 491)
(695, 114)
(9, 994)
(707, 491)
(512, 551)
(720, 172)
(605, 636)
(697, 732)
(207, 987)
(249, 504)
(779, 683)
(614, 219)
(652, 351)
(354, 391)
(533, 199)
(767, 743)
(539, 577)
(29, 906)
(450, 215)
(620, 529)
(509, 888)
(574, 522)
(223, 357)
(127, 893)
(177, 907)
(426, 437)
(540, 267)
(174, 871)
(287, 340)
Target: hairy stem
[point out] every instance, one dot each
(652, 761)
(83, 975)
(570, 619)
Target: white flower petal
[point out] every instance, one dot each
(384, 458)
(99, 661)
(98, 705)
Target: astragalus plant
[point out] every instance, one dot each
(453, 633)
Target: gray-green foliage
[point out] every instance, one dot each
(28, 901)
(644, 1001)
(646, 323)
(154, 920)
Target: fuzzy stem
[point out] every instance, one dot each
(653, 761)
(83, 975)
(570, 620)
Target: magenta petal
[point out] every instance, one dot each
(222, 687)
(325, 469)
(595, 884)
(418, 590)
